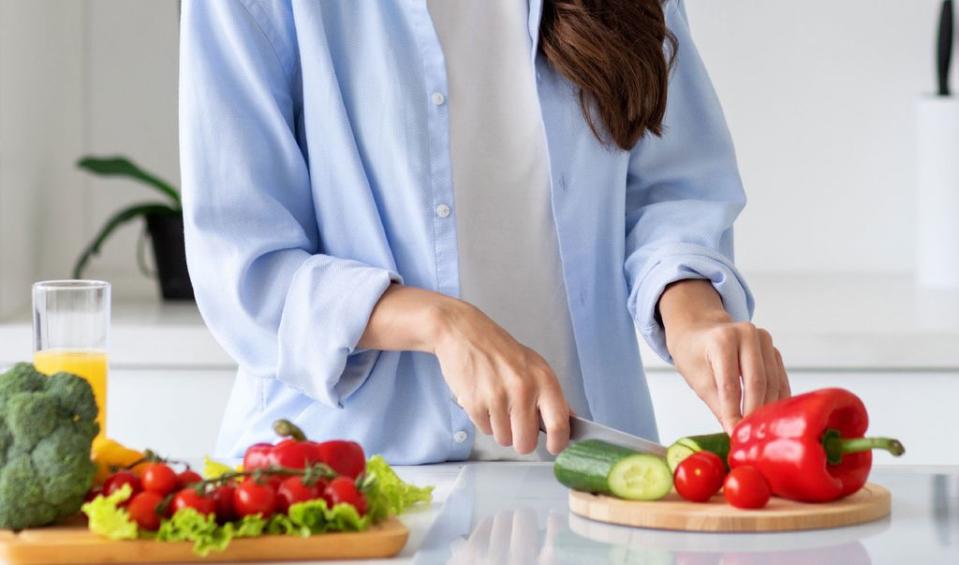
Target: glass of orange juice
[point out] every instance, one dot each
(71, 327)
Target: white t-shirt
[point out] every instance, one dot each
(509, 262)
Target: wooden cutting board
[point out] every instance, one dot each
(75, 544)
(673, 513)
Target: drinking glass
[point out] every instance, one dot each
(71, 331)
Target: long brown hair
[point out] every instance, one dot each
(619, 54)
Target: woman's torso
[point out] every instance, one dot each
(369, 89)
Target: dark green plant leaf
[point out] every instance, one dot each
(123, 216)
(121, 166)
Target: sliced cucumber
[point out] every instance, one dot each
(684, 447)
(600, 467)
(641, 477)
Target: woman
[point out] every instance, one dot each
(429, 225)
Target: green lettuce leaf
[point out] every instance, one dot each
(313, 517)
(106, 518)
(189, 525)
(386, 494)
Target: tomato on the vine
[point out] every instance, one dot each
(344, 457)
(746, 488)
(190, 498)
(293, 490)
(699, 476)
(143, 510)
(257, 456)
(188, 477)
(93, 493)
(252, 497)
(223, 502)
(294, 454)
(343, 489)
(158, 478)
(120, 478)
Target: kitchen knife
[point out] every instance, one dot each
(581, 428)
(944, 51)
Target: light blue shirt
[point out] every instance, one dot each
(315, 153)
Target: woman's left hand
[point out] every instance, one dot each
(733, 366)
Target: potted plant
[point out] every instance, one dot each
(164, 223)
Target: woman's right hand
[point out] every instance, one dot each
(504, 386)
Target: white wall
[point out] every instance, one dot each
(41, 130)
(819, 96)
(132, 108)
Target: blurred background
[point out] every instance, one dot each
(821, 100)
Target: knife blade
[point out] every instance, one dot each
(581, 428)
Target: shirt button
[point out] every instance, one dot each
(460, 436)
(437, 98)
(443, 210)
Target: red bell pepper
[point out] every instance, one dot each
(297, 452)
(810, 447)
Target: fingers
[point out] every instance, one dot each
(524, 423)
(771, 366)
(725, 366)
(555, 414)
(500, 422)
(753, 368)
(481, 419)
(785, 391)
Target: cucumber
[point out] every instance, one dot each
(599, 467)
(686, 446)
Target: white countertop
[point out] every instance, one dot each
(819, 322)
(499, 513)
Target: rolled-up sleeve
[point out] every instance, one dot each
(278, 305)
(683, 194)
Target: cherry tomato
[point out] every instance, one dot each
(120, 478)
(257, 456)
(292, 490)
(343, 489)
(344, 457)
(254, 498)
(93, 493)
(295, 454)
(746, 488)
(190, 498)
(143, 510)
(699, 476)
(188, 477)
(159, 478)
(223, 502)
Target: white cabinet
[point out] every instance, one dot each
(175, 412)
(918, 408)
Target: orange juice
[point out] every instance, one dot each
(89, 364)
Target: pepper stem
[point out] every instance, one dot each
(286, 428)
(836, 446)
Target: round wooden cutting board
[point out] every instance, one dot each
(673, 513)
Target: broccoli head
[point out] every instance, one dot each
(47, 425)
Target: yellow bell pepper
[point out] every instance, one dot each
(109, 455)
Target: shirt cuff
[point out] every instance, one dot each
(683, 262)
(318, 341)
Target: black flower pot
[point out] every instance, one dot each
(169, 253)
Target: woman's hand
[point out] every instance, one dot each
(732, 366)
(504, 386)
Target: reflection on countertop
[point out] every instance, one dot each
(517, 514)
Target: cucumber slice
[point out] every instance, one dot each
(600, 467)
(641, 477)
(684, 447)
